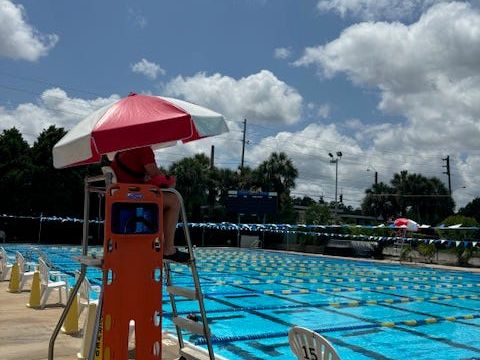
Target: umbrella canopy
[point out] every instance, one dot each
(135, 121)
(405, 223)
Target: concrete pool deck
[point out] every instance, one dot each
(25, 333)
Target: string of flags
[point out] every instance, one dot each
(311, 230)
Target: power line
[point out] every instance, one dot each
(46, 82)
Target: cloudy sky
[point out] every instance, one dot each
(392, 84)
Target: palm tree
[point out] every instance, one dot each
(379, 201)
(427, 199)
(192, 175)
(399, 183)
(278, 174)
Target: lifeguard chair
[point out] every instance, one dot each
(132, 267)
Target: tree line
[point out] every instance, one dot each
(30, 185)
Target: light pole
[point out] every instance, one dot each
(334, 160)
(376, 173)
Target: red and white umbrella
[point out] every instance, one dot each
(135, 121)
(407, 224)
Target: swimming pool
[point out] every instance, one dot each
(366, 310)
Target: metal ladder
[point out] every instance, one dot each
(181, 323)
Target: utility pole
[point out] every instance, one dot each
(447, 166)
(211, 190)
(243, 143)
(376, 174)
(212, 155)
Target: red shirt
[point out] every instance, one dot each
(135, 160)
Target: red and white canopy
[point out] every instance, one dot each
(135, 121)
(405, 223)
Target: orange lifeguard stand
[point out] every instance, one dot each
(132, 276)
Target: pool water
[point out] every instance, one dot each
(366, 310)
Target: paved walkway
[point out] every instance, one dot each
(25, 333)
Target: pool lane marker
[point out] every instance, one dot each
(337, 305)
(347, 280)
(342, 289)
(387, 324)
(370, 276)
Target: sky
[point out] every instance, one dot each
(391, 84)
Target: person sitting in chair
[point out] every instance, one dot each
(138, 166)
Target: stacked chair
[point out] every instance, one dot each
(5, 267)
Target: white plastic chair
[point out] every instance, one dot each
(24, 275)
(47, 286)
(84, 291)
(306, 344)
(5, 267)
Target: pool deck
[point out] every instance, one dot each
(25, 333)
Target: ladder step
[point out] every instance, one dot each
(188, 293)
(189, 325)
(89, 260)
(190, 353)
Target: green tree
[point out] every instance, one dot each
(226, 179)
(462, 252)
(55, 191)
(305, 201)
(317, 214)
(16, 171)
(379, 201)
(415, 196)
(472, 209)
(246, 179)
(278, 174)
(192, 175)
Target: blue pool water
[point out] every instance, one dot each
(366, 310)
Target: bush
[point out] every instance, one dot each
(462, 252)
(427, 251)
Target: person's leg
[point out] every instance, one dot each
(171, 210)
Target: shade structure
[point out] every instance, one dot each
(405, 223)
(135, 121)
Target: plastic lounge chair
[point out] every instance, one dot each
(84, 294)
(5, 267)
(47, 286)
(24, 275)
(308, 345)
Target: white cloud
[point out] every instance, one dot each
(137, 18)
(426, 72)
(282, 53)
(321, 111)
(54, 107)
(18, 39)
(147, 68)
(260, 97)
(376, 9)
